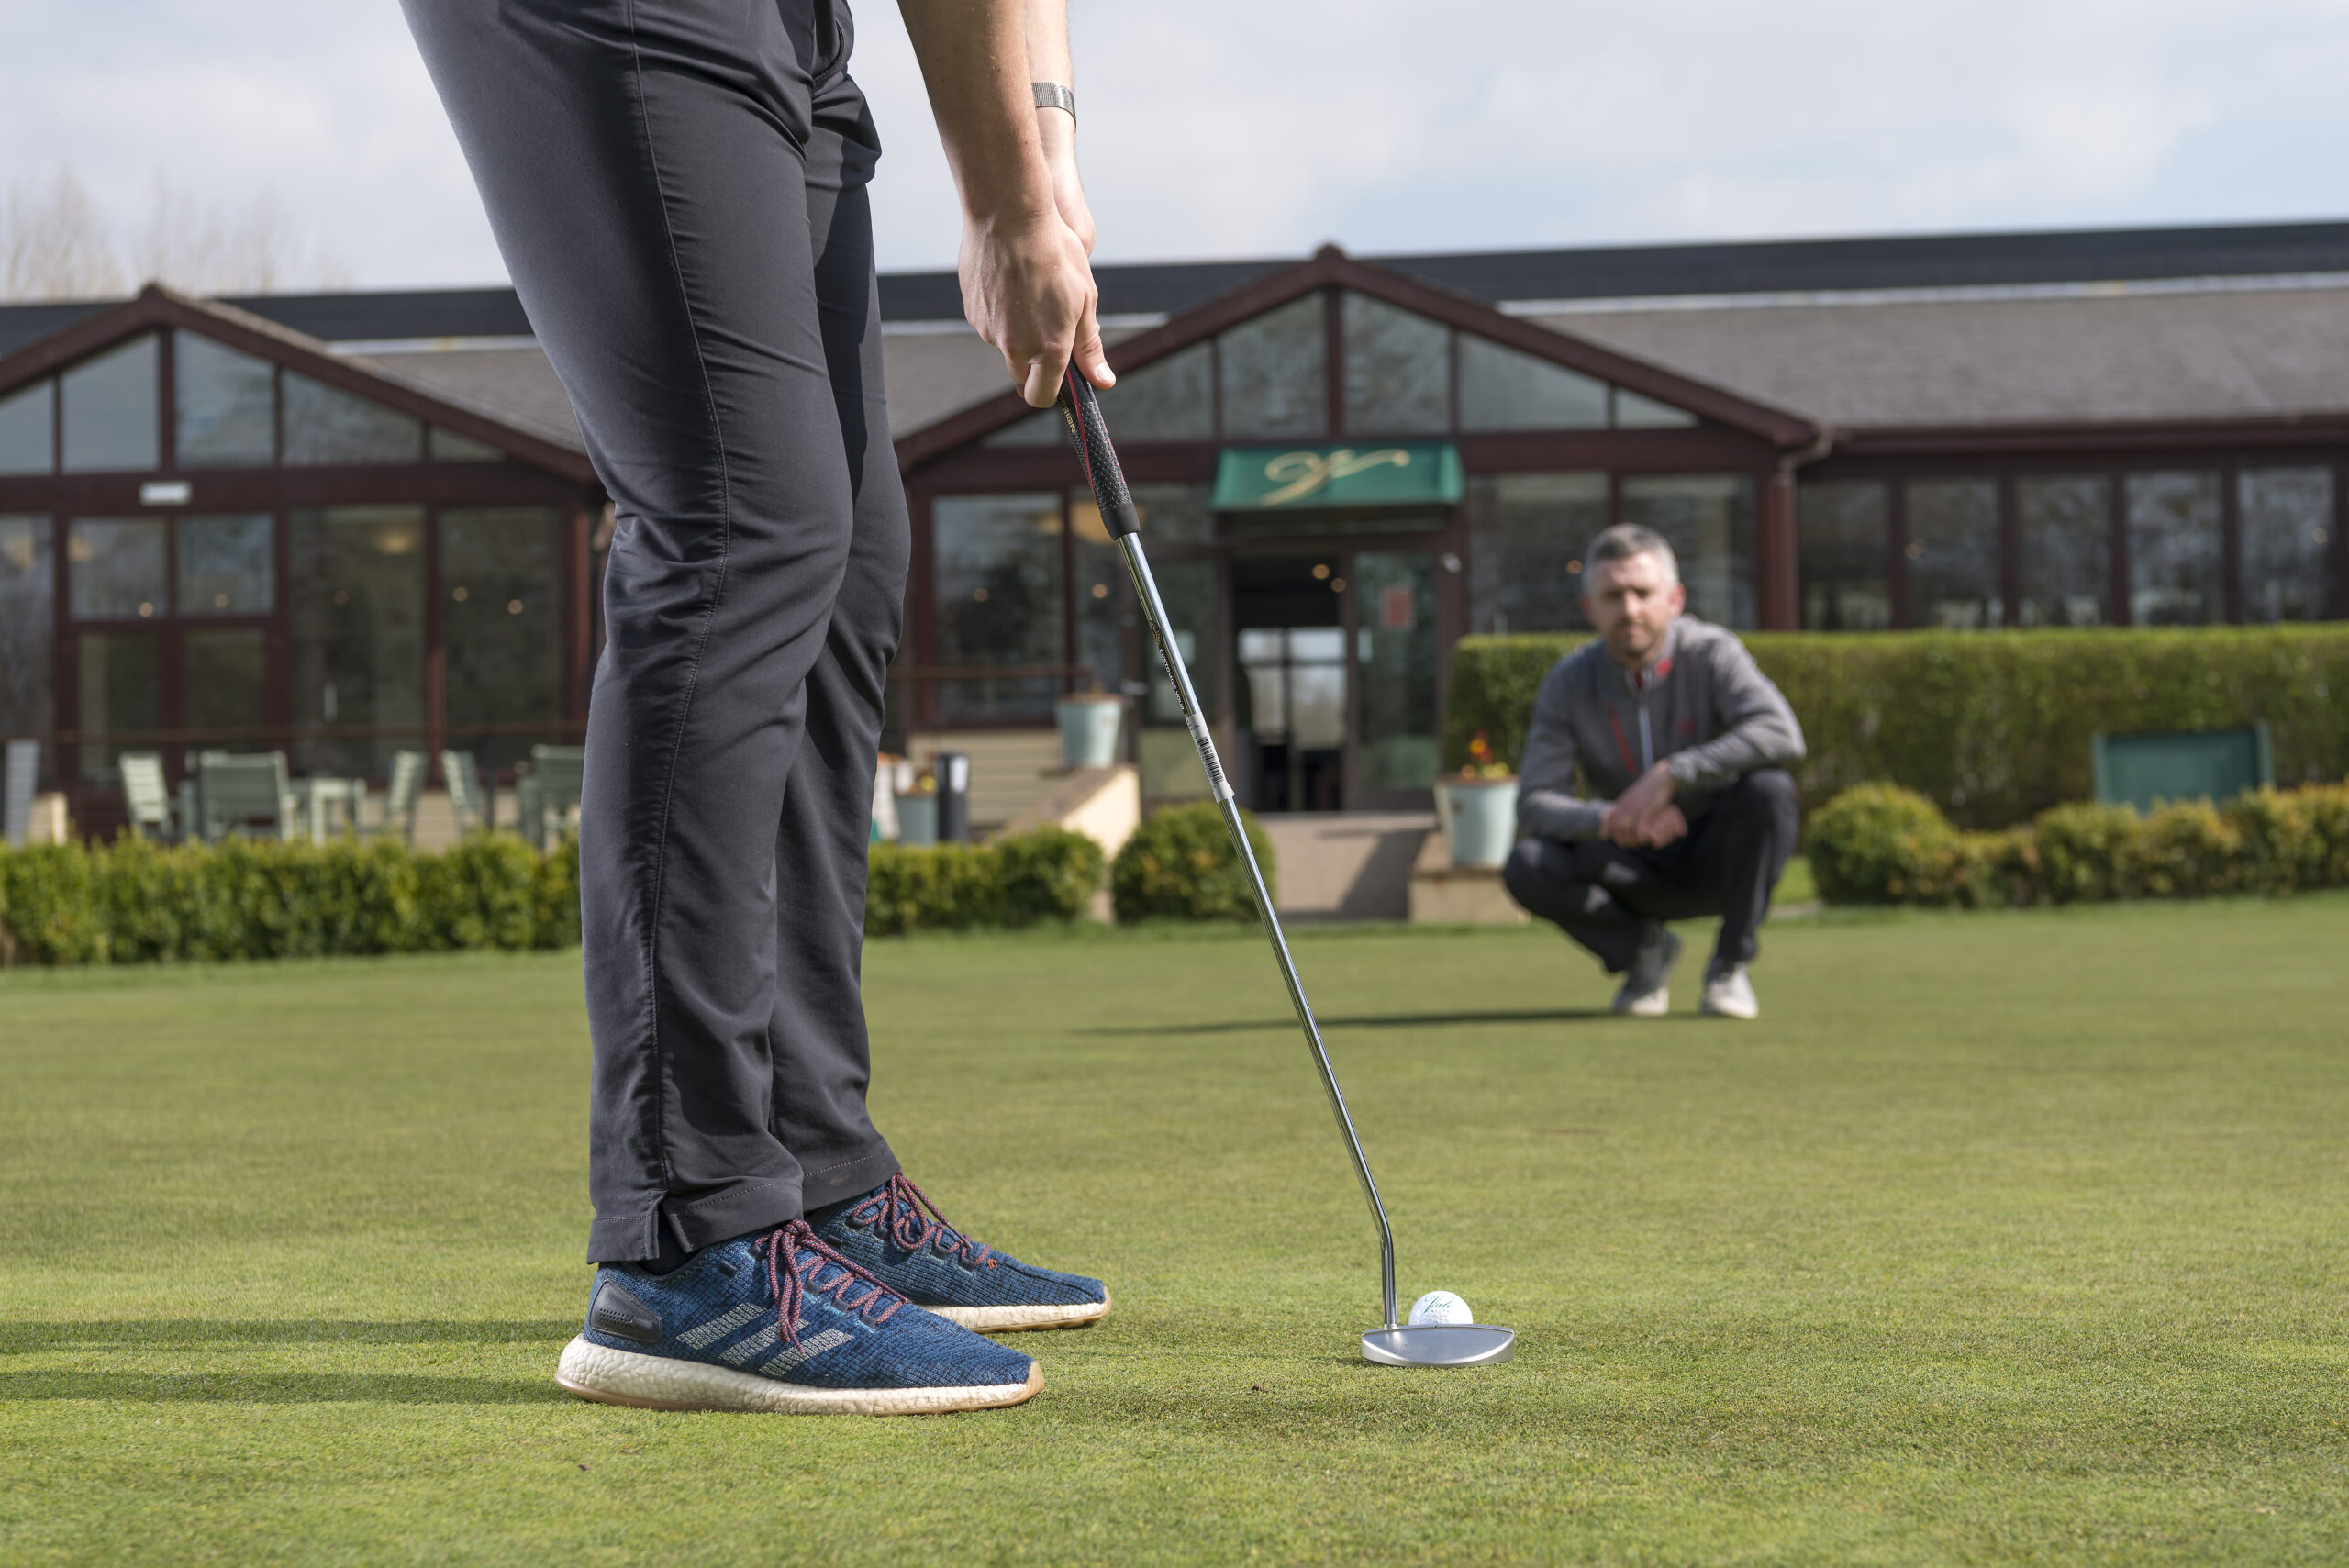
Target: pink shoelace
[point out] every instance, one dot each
(899, 1209)
(795, 1261)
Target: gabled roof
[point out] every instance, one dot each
(1333, 268)
(525, 439)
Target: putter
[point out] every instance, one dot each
(1427, 1344)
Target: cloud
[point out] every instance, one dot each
(1214, 128)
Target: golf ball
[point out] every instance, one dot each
(1441, 1306)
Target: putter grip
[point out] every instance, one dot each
(1082, 408)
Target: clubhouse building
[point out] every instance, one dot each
(346, 525)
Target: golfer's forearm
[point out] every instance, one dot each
(1556, 814)
(1048, 61)
(974, 58)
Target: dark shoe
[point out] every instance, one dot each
(897, 1235)
(780, 1322)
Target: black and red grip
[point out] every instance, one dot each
(1081, 406)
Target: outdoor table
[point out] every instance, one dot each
(318, 799)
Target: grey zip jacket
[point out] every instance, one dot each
(1702, 702)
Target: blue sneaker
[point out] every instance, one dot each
(896, 1236)
(780, 1321)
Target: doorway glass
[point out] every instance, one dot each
(117, 672)
(1293, 686)
(1395, 645)
(225, 677)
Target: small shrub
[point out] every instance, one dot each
(1049, 874)
(1179, 865)
(2184, 851)
(947, 887)
(2083, 852)
(1881, 844)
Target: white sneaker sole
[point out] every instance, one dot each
(664, 1383)
(1748, 1011)
(1011, 1319)
(1654, 1005)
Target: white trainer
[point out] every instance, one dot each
(1646, 993)
(1729, 995)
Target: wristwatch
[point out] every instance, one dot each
(1053, 95)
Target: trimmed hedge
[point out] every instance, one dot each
(1994, 727)
(1049, 874)
(1882, 844)
(136, 902)
(1179, 866)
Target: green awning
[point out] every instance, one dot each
(1298, 479)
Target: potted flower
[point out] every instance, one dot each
(1088, 722)
(918, 809)
(1479, 807)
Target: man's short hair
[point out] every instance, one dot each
(1625, 540)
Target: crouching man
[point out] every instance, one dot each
(1683, 744)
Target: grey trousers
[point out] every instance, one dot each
(1606, 896)
(678, 189)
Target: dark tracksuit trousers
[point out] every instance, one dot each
(678, 189)
(1604, 896)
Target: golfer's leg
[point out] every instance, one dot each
(640, 162)
(1568, 885)
(817, 1033)
(1756, 822)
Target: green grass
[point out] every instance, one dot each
(2002, 1239)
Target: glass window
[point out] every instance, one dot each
(2066, 527)
(1708, 521)
(1165, 757)
(1953, 555)
(326, 425)
(25, 434)
(501, 633)
(2174, 552)
(227, 565)
(226, 406)
(1842, 539)
(1633, 412)
(1101, 614)
(1275, 374)
(28, 626)
(225, 680)
(447, 446)
(115, 676)
(1045, 430)
(357, 600)
(996, 562)
(1396, 651)
(1502, 389)
(2286, 519)
(1398, 370)
(115, 568)
(1525, 534)
(1171, 399)
(109, 410)
(1176, 514)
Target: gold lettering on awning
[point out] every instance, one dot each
(1302, 473)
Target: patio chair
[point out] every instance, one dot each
(475, 807)
(150, 803)
(249, 795)
(399, 800)
(546, 794)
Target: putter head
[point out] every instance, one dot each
(1440, 1344)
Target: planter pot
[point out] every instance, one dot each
(1479, 818)
(916, 819)
(1089, 731)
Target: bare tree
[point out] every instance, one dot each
(54, 244)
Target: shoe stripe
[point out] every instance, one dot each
(756, 1345)
(717, 1328)
(776, 1366)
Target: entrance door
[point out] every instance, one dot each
(1393, 595)
(1288, 614)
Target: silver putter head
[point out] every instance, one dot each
(1440, 1344)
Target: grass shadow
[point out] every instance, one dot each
(273, 1388)
(220, 1333)
(1370, 1021)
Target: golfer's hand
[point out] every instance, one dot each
(1057, 132)
(1028, 288)
(1626, 821)
(1662, 825)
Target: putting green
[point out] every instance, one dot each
(2001, 1239)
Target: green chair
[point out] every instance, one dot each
(476, 808)
(546, 792)
(2209, 764)
(400, 798)
(150, 801)
(249, 795)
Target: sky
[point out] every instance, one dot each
(1216, 128)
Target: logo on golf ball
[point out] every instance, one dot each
(1439, 1307)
